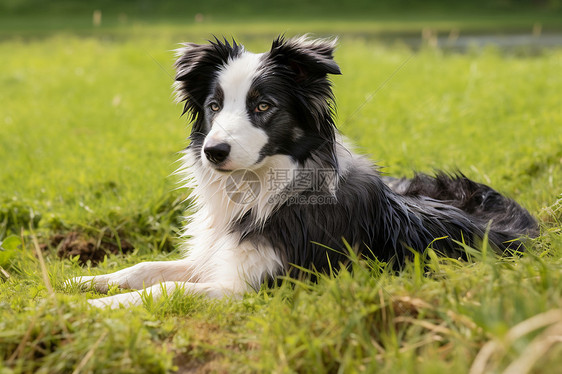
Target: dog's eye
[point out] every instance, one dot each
(262, 107)
(214, 107)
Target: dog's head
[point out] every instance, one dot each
(247, 107)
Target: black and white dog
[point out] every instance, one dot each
(275, 185)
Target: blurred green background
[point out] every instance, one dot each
(32, 16)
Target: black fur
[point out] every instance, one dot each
(381, 223)
(196, 69)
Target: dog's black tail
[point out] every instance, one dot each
(507, 218)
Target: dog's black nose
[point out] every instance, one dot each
(217, 153)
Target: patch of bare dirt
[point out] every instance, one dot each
(75, 243)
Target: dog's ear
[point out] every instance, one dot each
(305, 57)
(196, 67)
(306, 64)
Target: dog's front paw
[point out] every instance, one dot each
(104, 302)
(117, 301)
(84, 282)
(88, 282)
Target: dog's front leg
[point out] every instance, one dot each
(138, 276)
(211, 289)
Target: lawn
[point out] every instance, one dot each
(89, 139)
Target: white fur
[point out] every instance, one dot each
(216, 263)
(232, 125)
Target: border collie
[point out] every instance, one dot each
(276, 188)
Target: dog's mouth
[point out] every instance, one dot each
(222, 169)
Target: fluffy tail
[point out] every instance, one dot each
(508, 219)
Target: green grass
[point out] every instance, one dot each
(89, 137)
